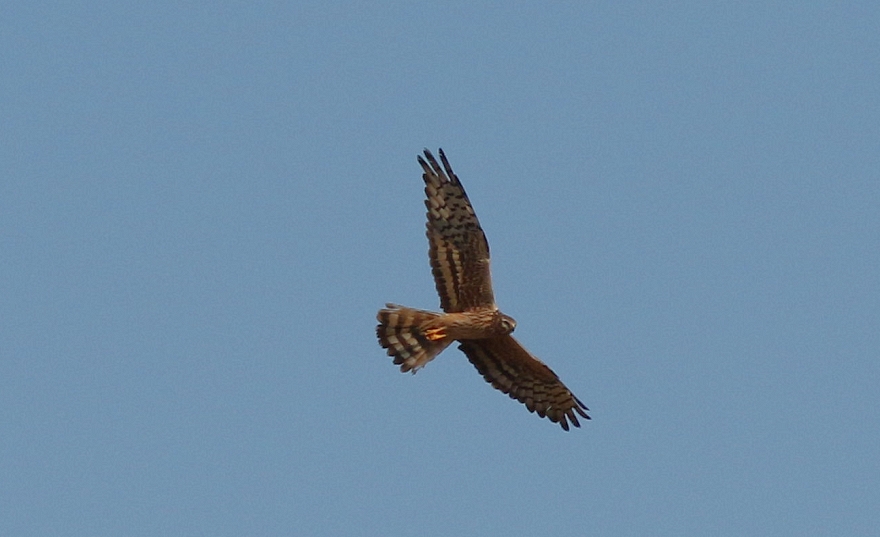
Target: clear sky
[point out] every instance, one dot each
(202, 206)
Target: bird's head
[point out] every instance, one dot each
(508, 324)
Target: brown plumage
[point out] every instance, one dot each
(459, 255)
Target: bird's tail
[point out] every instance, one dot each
(402, 331)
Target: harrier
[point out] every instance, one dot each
(459, 256)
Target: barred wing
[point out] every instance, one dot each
(458, 248)
(509, 367)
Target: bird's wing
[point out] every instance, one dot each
(458, 248)
(509, 367)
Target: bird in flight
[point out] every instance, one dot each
(459, 256)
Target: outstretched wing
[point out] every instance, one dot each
(509, 367)
(458, 248)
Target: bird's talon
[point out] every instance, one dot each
(435, 334)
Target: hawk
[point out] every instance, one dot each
(459, 256)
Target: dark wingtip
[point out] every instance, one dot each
(447, 167)
(581, 408)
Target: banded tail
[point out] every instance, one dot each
(401, 330)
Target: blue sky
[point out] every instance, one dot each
(203, 206)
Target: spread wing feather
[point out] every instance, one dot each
(458, 248)
(509, 367)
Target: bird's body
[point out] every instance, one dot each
(459, 255)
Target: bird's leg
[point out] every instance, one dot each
(435, 334)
